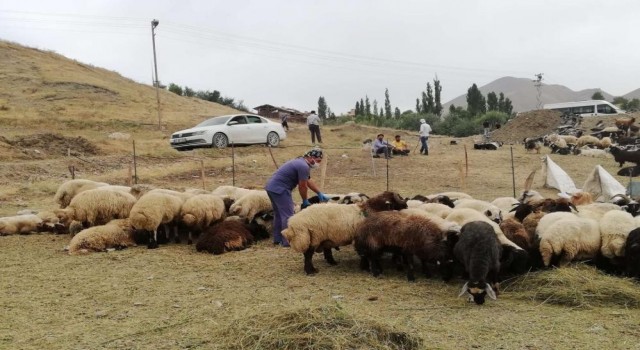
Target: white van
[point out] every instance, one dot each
(589, 108)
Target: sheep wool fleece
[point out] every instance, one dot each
(279, 188)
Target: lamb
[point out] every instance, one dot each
(225, 236)
(154, 209)
(71, 188)
(97, 207)
(488, 209)
(324, 226)
(595, 210)
(615, 226)
(569, 238)
(116, 234)
(251, 204)
(632, 254)
(605, 142)
(479, 252)
(399, 232)
(20, 224)
(621, 156)
(624, 123)
(200, 211)
(533, 144)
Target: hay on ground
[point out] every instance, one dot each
(320, 328)
(577, 285)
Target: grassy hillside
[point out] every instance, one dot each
(41, 89)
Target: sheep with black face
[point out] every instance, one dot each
(479, 252)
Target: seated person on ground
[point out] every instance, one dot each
(381, 147)
(400, 147)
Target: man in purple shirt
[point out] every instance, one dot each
(381, 146)
(295, 172)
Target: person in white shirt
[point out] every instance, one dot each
(425, 130)
(313, 122)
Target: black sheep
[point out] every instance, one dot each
(622, 156)
(478, 249)
(632, 254)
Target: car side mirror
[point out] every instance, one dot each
(233, 122)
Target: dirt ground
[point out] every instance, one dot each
(176, 298)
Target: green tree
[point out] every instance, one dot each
(357, 108)
(437, 110)
(508, 107)
(387, 104)
(375, 108)
(633, 105)
(188, 92)
(492, 101)
(597, 96)
(501, 102)
(620, 101)
(176, 89)
(322, 108)
(431, 106)
(452, 109)
(367, 106)
(417, 105)
(425, 104)
(476, 103)
(362, 108)
(396, 113)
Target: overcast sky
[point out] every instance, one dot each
(290, 52)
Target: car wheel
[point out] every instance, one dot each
(273, 139)
(220, 140)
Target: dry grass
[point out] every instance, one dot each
(327, 327)
(577, 286)
(176, 298)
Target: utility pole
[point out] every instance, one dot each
(156, 81)
(538, 85)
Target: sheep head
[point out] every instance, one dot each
(477, 291)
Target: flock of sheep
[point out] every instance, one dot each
(619, 141)
(450, 233)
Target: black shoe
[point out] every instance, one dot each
(376, 156)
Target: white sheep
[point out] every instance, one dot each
(71, 188)
(596, 210)
(154, 209)
(587, 140)
(438, 209)
(321, 227)
(443, 225)
(586, 151)
(491, 211)
(505, 204)
(97, 207)
(20, 224)
(251, 204)
(572, 238)
(614, 228)
(452, 195)
(116, 234)
(529, 196)
(201, 211)
(465, 215)
(231, 192)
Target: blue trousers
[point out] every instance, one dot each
(282, 204)
(425, 148)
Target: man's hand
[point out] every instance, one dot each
(305, 203)
(322, 197)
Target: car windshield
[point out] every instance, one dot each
(213, 121)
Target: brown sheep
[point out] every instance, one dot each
(401, 233)
(224, 236)
(515, 231)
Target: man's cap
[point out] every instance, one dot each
(422, 121)
(316, 153)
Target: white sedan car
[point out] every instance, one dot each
(221, 131)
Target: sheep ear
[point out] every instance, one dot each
(490, 292)
(464, 289)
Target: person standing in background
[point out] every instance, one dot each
(425, 130)
(313, 122)
(283, 119)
